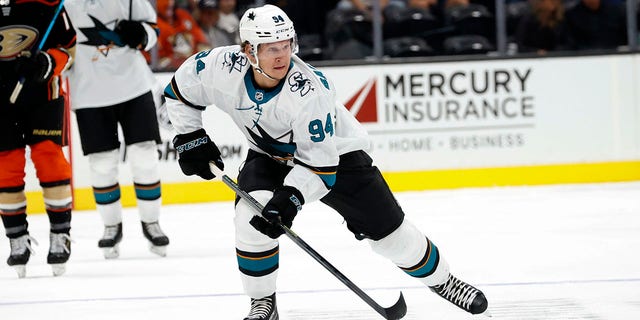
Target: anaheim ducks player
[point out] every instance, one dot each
(35, 119)
(304, 147)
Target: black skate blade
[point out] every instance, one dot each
(396, 311)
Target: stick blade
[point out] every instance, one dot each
(398, 310)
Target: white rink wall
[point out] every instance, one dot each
(464, 115)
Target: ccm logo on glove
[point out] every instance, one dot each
(192, 144)
(195, 152)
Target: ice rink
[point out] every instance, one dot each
(549, 252)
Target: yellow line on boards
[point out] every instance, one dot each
(207, 191)
(514, 176)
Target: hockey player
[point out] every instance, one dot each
(35, 119)
(304, 146)
(111, 84)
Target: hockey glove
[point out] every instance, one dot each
(39, 67)
(132, 34)
(195, 152)
(283, 207)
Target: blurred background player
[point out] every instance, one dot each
(229, 21)
(111, 84)
(209, 19)
(180, 35)
(304, 147)
(36, 119)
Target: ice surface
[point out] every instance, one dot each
(549, 252)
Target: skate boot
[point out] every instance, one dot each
(462, 295)
(263, 309)
(20, 253)
(59, 251)
(158, 241)
(110, 241)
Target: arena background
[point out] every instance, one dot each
(449, 124)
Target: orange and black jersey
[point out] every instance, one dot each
(23, 24)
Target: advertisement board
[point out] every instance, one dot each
(455, 124)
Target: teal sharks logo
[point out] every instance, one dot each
(275, 148)
(100, 35)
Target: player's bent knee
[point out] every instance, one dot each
(50, 162)
(12, 173)
(246, 233)
(410, 250)
(104, 168)
(143, 159)
(401, 246)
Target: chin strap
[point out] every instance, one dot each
(257, 67)
(260, 71)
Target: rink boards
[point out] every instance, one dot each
(450, 125)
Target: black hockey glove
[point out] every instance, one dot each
(284, 206)
(195, 152)
(39, 67)
(132, 34)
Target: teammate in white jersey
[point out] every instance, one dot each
(304, 146)
(111, 84)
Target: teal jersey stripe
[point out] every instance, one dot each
(168, 92)
(328, 179)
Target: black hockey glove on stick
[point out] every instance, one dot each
(283, 207)
(132, 34)
(396, 311)
(195, 152)
(16, 91)
(38, 67)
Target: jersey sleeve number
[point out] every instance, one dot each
(199, 63)
(319, 131)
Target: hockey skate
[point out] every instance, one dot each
(263, 309)
(110, 241)
(158, 241)
(59, 251)
(20, 253)
(462, 295)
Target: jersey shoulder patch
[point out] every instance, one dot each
(233, 61)
(305, 81)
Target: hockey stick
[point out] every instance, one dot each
(397, 311)
(18, 88)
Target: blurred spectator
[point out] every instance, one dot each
(367, 5)
(422, 4)
(180, 36)
(209, 21)
(189, 5)
(596, 24)
(228, 18)
(455, 3)
(543, 29)
(363, 6)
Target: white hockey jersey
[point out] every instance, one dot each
(298, 122)
(103, 74)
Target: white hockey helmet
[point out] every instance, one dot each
(266, 24)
